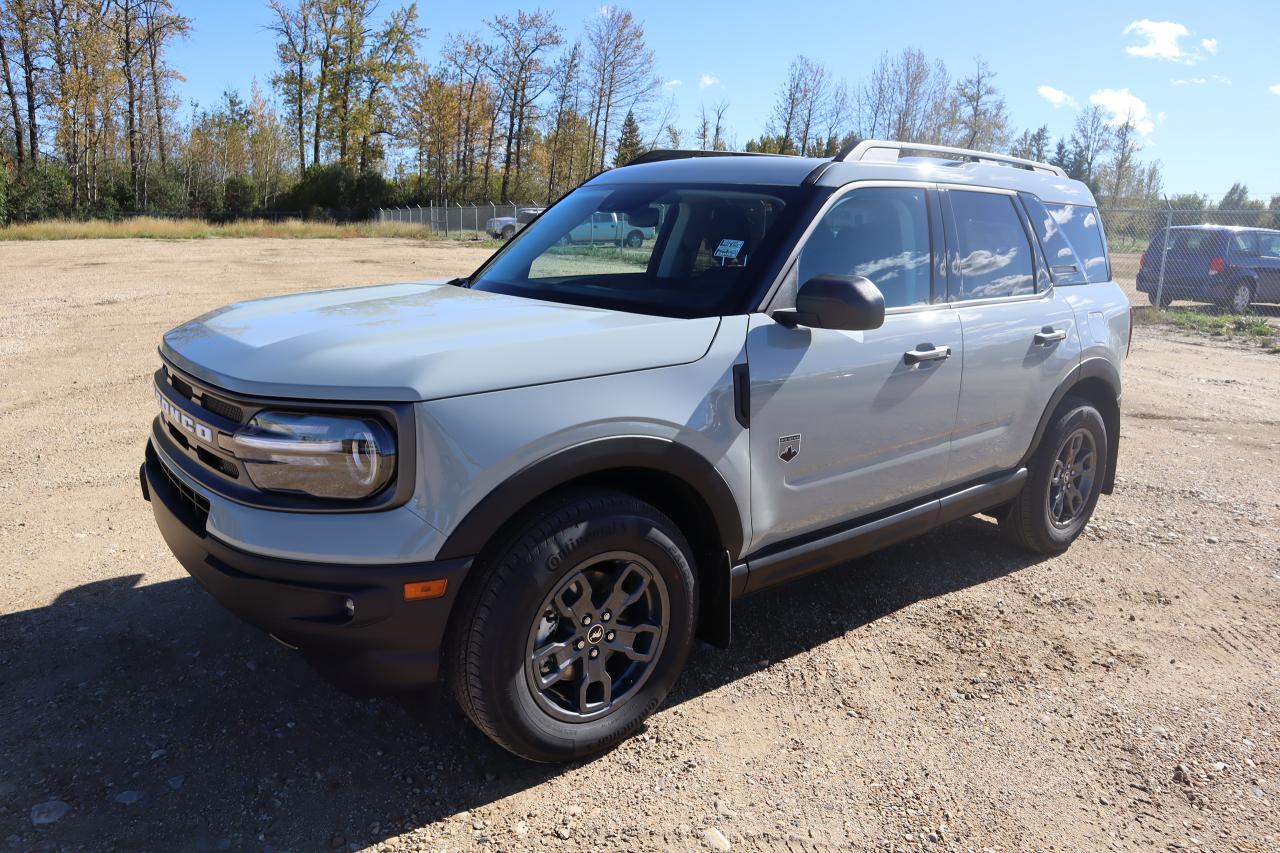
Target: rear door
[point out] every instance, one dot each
(846, 423)
(1020, 338)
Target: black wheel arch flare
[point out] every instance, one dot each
(1097, 380)
(594, 460)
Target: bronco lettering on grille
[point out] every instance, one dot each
(182, 420)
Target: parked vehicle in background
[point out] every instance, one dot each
(544, 480)
(1227, 265)
(609, 229)
(507, 227)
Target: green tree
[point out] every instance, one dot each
(630, 145)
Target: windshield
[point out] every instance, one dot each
(676, 251)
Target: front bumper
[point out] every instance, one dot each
(384, 642)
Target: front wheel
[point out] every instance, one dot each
(1064, 480)
(1164, 301)
(575, 627)
(508, 232)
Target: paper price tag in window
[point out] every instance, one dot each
(729, 248)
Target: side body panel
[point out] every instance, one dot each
(872, 430)
(1009, 378)
(472, 445)
(1102, 317)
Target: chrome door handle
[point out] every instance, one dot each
(926, 352)
(1049, 335)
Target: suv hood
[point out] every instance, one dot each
(420, 341)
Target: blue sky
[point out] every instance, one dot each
(1202, 78)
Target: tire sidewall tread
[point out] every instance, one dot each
(1026, 523)
(512, 578)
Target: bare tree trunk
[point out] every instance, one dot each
(157, 95)
(18, 143)
(29, 85)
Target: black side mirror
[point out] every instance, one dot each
(848, 302)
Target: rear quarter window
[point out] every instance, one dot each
(1244, 243)
(1083, 230)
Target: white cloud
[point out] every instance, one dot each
(1163, 40)
(706, 81)
(671, 84)
(1275, 90)
(1201, 81)
(1057, 97)
(1124, 106)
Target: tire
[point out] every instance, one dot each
(1054, 506)
(545, 670)
(1240, 298)
(634, 240)
(508, 231)
(1166, 299)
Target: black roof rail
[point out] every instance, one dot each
(659, 155)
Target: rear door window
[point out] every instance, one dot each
(993, 256)
(1083, 230)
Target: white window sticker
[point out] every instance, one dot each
(729, 248)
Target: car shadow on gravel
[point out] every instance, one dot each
(164, 722)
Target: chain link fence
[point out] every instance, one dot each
(1212, 262)
(464, 222)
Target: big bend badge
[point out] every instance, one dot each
(789, 447)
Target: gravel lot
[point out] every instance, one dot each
(948, 693)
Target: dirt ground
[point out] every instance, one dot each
(949, 693)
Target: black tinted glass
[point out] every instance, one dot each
(1083, 229)
(994, 257)
(672, 250)
(1064, 265)
(880, 233)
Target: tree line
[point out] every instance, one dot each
(353, 117)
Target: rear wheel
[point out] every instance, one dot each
(508, 231)
(576, 627)
(1064, 480)
(634, 239)
(1240, 299)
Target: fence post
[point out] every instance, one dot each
(1164, 253)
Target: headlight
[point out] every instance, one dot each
(320, 455)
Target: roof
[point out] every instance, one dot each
(786, 170)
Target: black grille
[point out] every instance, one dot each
(180, 386)
(194, 503)
(221, 408)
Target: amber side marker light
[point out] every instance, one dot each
(420, 590)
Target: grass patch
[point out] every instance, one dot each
(194, 229)
(1229, 326)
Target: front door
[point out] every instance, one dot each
(844, 424)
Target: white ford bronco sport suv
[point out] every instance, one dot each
(543, 481)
